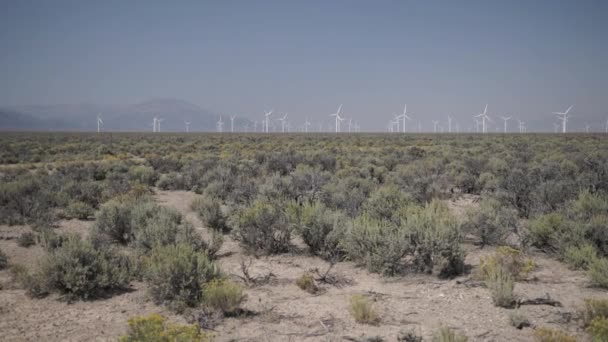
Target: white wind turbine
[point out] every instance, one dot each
(283, 122)
(403, 116)
(232, 123)
(484, 116)
(154, 121)
(158, 121)
(435, 123)
(306, 124)
(505, 119)
(338, 118)
(267, 117)
(99, 123)
(220, 125)
(449, 123)
(187, 123)
(564, 117)
(522, 128)
(587, 127)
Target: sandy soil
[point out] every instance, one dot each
(283, 312)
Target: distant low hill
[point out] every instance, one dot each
(135, 117)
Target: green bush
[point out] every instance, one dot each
(598, 272)
(176, 275)
(501, 285)
(492, 221)
(210, 212)
(223, 295)
(154, 328)
(262, 228)
(172, 181)
(79, 270)
(385, 202)
(79, 210)
(519, 320)
(543, 334)
(307, 283)
(3, 260)
(594, 308)
(580, 257)
(554, 233)
(363, 311)
(320, 227)
(26, 239)
(599, 329)
(511, 260)
(448, 335)
(113, 221)
(143, 174)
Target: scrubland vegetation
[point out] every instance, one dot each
(378, 201)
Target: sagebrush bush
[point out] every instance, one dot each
(155, 328)
(510, 259)
(598, 272)
(599, 329)
(320, 227)
(519, 320)
(3, 260)
(306, 282)
(79, 210)
(550, 232)
(363, 311)
(79, 270)
(446, 334)
(210, 212)
(384, 203)
(262, 228)
(492, 221)
(26, 239)
(580, 257)
(113, 221)
(544, 334)
(176, 275)
(594, 308)
(172, 181)
(501, 285)
(223, 295)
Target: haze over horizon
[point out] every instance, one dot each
(523, 58)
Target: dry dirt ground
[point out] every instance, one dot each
(283, 312)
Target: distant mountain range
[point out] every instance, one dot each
(136, 117)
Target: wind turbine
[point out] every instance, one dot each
(99, 123)
(220, 125)
(283, 120)
(606, 126)
(154, 121)
(564, 117)
(435, 122)
(403, 116)
(306, 124)
(158, 121)
(484, 116)
(505, 119)
(232, 123)
(187, 123)
(266, 118)
(449, 123)
(587, 127)
(522, 128)
(338, 118)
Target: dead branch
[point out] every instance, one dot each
(540, 301)
(251, 280)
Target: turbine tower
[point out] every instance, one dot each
(306, 124)
(403, 116)
(187, 123)
(484, 116)
(99, 123)
(449, 123)
(435, 122)
(220, 125)
(338, 118)
(266, 118)
(505, 119)
(158, 121)
(564, 117)
(232, 123)
(154, 122)
(283, 121)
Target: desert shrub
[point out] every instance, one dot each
(143, 174)
(436, 236)
(26, 239)
(599, 329)
(380, 245)
(594, 308)
(580, 257)
(223, 295)
(210, 212)
(172, 181)
(3, 260)
(176, 275)
(113, 221)
(543, 334)
(385, 202)
(446, 334)
(50, 240)
(519, 320)
(79, 270)
(320, 227)
(27, 200)
(262, 228)
(363, 311)
(598, 272)
(155, 328)
(501, 285)
(597, 234)
(553, 232)
(492, 221)
(306, 282)
(588, 205)
(79, 210)
(509, 259)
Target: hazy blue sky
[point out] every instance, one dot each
(523, 57)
